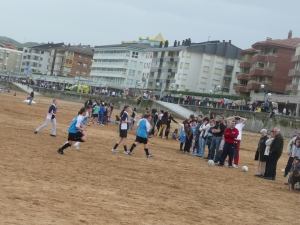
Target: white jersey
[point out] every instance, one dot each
(240, 127)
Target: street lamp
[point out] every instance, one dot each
(264, 89)
(213, 92)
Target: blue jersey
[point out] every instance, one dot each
(85, 118)
(75, 123)
(144, 128)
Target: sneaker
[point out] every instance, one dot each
(235, 166)
(114, 150)
(52, 135)
(230, 167)
(35, 132)
(129, 152)
(218, 164)
(77, 147)
(226, 164)
(60, 151)
(125, 152)
(150, 155)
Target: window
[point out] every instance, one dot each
(205, 69)
(135, 55)
(84, 65)
(86, 58)
(141, 64)
(234, 85)
(188, 54)
(24, 57)
(83, 73)
(181, 65)
(79, 64)
(183, 53)
(230, 62)
(220, 60)
(131, 72)
(179, 76)
(186, 66)
(77, 71)
(184, 77)
(133, 63)
(218, 71)
(41, 58)
(129, 81)
(261, 65)
(80, 56)
(42, 52)
(207, 58)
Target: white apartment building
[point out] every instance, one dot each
(10, 60)
(197, 67)
(293, 89)
(36, 58)
(121, 65)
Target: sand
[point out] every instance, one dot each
(94, 186)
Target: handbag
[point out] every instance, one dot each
(256, 155)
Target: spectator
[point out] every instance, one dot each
(262, 158)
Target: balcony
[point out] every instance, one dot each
(291, 87)
(296, 58)
(109, 65)
(225, 89)
(265, 71)
(253, 86)
(111, 56)
(229, 67)
(107, 73)
(294, 73)
(270, 57)
(227, 78)
(243, 76)
(241, 89)
(245, 65)
(170, 59)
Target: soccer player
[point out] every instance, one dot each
(89, 109)
(143, 128)
(50, 117)
(76, 131)
(123, 129)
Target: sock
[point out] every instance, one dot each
(77, 143)
(132, 147)
(146, 150)
(125, 148)
(65, 146)
(181, 145)
(116, 145)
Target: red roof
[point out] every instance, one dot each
(286, 43)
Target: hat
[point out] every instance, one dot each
(264, 131)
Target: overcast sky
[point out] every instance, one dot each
(101, 22)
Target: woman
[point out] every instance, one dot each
(212, 123)
(76, 131)
(154, 116)
(123, 129)
(203, 129)
(262, 158)
(158, 124)
(108, 110)
(169, 124)
(132, 119)
(163, 127)
(188, 137)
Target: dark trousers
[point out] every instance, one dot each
(228, 150)
(188, 144)
(288, 165)
(271, 165)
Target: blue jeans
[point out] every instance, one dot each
(214, 148)
(100, 118)
(31, 98)
(131, 123)
(197, 145)
(202, 143)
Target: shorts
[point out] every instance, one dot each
(95, 115)
(141, 140)
(75, 136)
(123, 133)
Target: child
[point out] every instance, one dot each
(117, 119)
(295, 166)
(293, 179)
(175, 133)
(182, 136)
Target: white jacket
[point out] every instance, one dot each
(268, 144)
(204, 129)
(290, 145)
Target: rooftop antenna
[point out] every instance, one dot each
(208, 38)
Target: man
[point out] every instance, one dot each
(289, 151)
(217, 131)
(50, 117)
(143, 128)
(197, 133)
(243, 104)
(31, 97)
(287, 108)
(274, 155)
(230, 135)
(238, 125)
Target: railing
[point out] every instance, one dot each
(110, 72)
(124, 55)
(266, 54)
(262, 68)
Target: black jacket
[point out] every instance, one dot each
(277, 145)
(262, 147)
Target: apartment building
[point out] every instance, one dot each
(268, 62)
(294, 87)
(36, 58)
(71, 61)
(10, 60)
(194, 67)
(121, 65)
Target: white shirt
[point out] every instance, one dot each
(239, 126)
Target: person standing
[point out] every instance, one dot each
(143, 128)
(262, 158)
(132, 119)
(203, 132)
(239, 125)
(163, 127)
(170, 119)
(275, 153)
(230, 135)
(31, 97)
(50, 117)
(76, 131)
(287, 108)
(197, 133)
(123, 129)
(188, 137)
(289, 151)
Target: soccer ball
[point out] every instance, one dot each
(210, 162)
(245, 169)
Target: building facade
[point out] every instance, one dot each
(121, 65)
(10, 60)
(71, 61)
(193, 67)
(267, 63)
(293, 88)
(36, 58)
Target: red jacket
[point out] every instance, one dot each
(230, 135)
